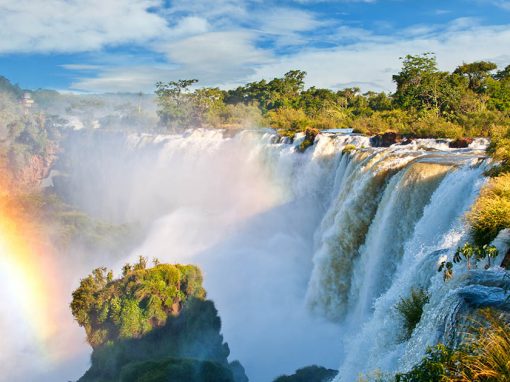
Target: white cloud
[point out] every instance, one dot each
(210, 49)
(370, 64)
(229, 42)
(227, 58)
(80, 67)
(188, 26)
(505, 4)
(287, 20)
(214, 58)
(76, 25)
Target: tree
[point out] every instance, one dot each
(273, 95)
(142, 299)
(379, 101)
(207, 107)
(415, 80)
(174, 100)
(476, 72)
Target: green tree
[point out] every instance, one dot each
(416, 81)
(476, 73)
(175, 103)
(142, 299)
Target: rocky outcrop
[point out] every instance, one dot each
(385, 140)
(28, 173)
(189, 347)
(310, 135)
(36, 169)
(506, 260)
(460, 143)
(309, 374)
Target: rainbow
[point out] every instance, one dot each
(29, 277)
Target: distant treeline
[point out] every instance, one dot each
(473, 100)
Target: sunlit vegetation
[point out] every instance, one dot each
(473, 100)
(348, 148)
(491, 212)
(141, 300)
(472, 255)
(411, 309)
(484, 357)
(205, 107)
(309, 374)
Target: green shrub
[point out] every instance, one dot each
(436, 366)
(499, 150)
(133, 305)
(411, 309)
(484, 357)
(287, 118)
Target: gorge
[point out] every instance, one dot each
(307, 254)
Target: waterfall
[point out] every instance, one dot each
(305, 254)
(379, 343)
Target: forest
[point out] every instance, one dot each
(471, 101)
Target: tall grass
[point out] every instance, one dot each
(490, 344)
(491, 212)
(484, 357)
(411, 309)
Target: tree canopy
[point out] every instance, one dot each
(427, 102)
(129, 307)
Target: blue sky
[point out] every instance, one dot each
(128, 45)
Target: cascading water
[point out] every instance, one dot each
(380, 344)
(280, 234)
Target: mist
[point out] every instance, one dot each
(267, 225)
(240, 208)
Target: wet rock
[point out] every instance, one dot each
(506, 260)
(460, 143)
(385, 140)
(406, 141)
(310, 134)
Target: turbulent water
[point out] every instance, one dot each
(305, 254)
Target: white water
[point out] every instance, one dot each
(305, 255)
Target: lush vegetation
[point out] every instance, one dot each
(472, 255)
(411, 309)
(473, 100)
(309, 374)
(485, 357)
(491, 212)
(131, 306)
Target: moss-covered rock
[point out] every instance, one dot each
(151, 323)
(310, 135)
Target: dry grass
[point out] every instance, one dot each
(490, 360)
(491, 212)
